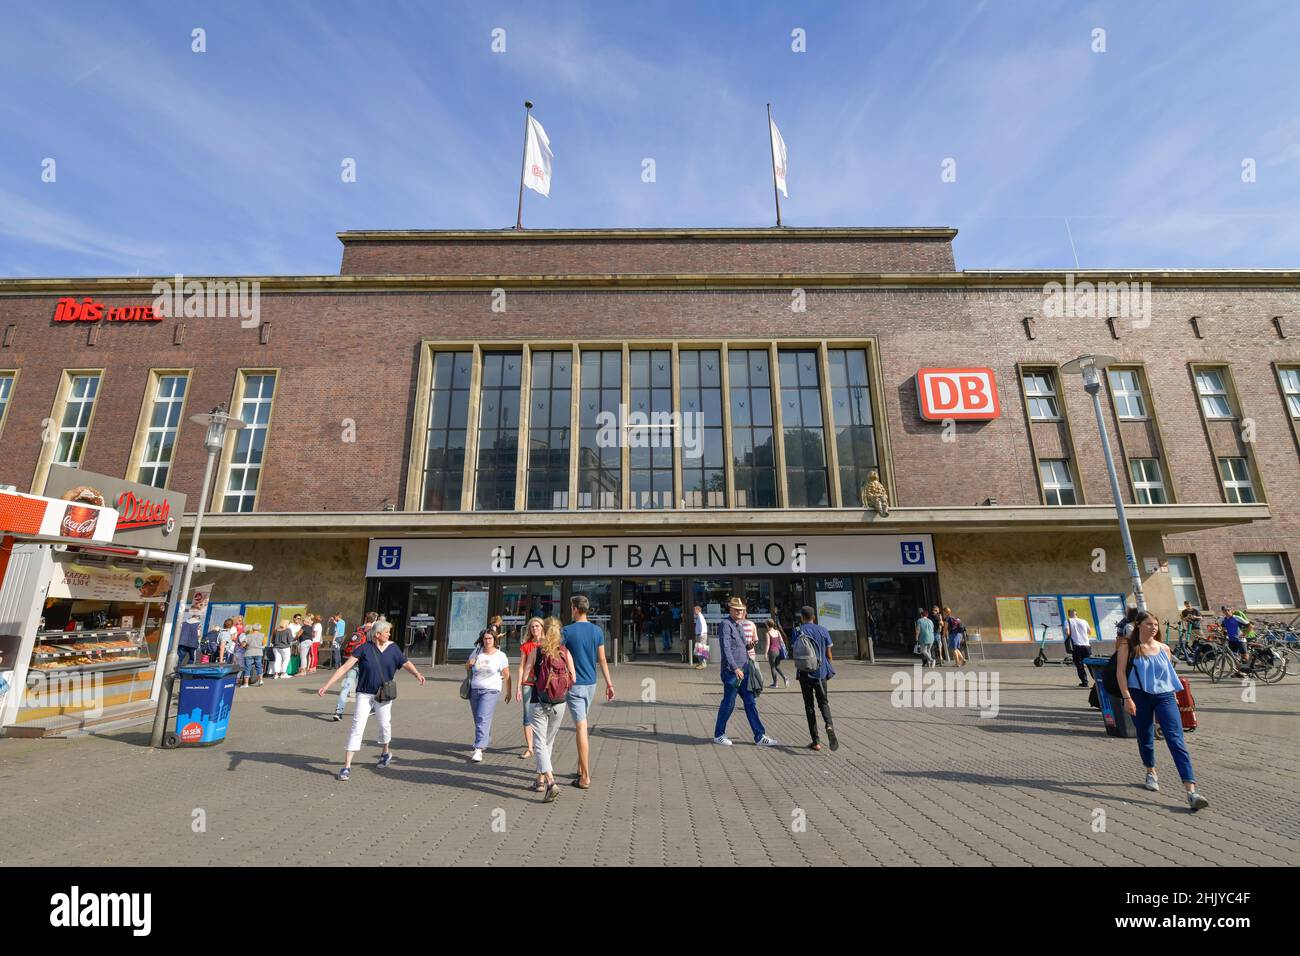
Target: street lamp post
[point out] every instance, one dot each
(217, 422)
(1091, 367)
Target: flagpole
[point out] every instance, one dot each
(523, 166)
(771, 149)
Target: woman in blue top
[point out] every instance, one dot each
(1149, 692)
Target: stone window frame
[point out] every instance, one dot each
(1285, 579)
(61, 395)
(1146, 484)
(429, 346)
(218, 490)
(1152, 416)
(11, 376)
(1247, 451)
(1194, 580)
(135, 464)
(1053, 371)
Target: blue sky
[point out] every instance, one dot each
(228, 161)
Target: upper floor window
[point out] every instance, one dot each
(1148, 482)
(1182, 575)
(74, 424)
(1058, 484)
(804, 434)
(444, 459)
(855, 436)
(1213, 392)
(652, 436)
(704, 479)
(1237, 486)
(245, 470)
(1264, 581)
(164, 423)
(753, 457)
(498, 432)
(600, 453)
(6, 392)
(1040, 393)
(1290, 378)
(549, 413)
(1126, 392)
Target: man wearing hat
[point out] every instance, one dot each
(735, 664)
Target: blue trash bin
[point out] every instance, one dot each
(1118, 723)
(204, 700)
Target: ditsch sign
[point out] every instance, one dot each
(962, 394)
(146, 516)
(69, 310)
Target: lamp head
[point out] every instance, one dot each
(217, 422)
(1090, 367)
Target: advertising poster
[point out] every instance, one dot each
(1045, 609)
(469, 614)
(285, 612)
(1013, 618)
(217, 614)
(260, 614)
(835, 610)
(1082, 606)
(1110, 611)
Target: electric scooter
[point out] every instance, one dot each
(1041, 658)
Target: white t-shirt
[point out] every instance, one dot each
(1080, 632)
(315, 633)
(488, 669)
(294, 629)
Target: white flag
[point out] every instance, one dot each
(537, 158)
(778, 159)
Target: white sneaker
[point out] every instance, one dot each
(722, 740)
(476, 756)
(765, 741)
(1152, 783)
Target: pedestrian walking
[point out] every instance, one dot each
(940, 634)
(349, 682)
(1149, 692)
(533, 632)
(338, 631)
(317, 635)
(586, 643)
(281, 643)
(1079, 633)
(956, 632)
(701, 629)
(254, 642)
(812, 668)
(924, 637)
(552, 673)
(489, 674)
(378, 660)
(776, 652)
(225, 640)
(735, 677)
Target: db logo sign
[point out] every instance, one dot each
(191, 733)
(962, 394)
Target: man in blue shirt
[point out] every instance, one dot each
(586, 642)
(1232, 626)
(813, 682)
(735, 670)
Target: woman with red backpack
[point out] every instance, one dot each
(553, 674)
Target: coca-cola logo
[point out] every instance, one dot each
(79, 521)
(135, 512)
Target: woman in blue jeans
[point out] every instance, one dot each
(489, 675)
(1149, 693)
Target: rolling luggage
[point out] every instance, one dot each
(1186, 707)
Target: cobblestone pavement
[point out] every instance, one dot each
(930, 786)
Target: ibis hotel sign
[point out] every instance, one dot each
(147, 517)
(513, 556)
(962, 394)
(88, 310)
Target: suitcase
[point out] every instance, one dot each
(1186, 707)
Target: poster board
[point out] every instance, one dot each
(1110, 610)
(469, 614)
(262, 613)
(217, 614)
(1046, 609)
(1081, 604)
(1013, 618)
(285, 612)
(835, 610)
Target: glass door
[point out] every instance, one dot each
(466, 616)
(392, 598)
(422, 625)
(652, 617)
(600, 593)
(521, 600)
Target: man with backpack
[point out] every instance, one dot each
(350, 676)
(811, 646)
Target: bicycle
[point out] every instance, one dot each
(1262, 662)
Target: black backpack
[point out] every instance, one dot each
(1110, 677)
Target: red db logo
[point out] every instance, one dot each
(962, 394)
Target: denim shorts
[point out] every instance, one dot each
(579, 701)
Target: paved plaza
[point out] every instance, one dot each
(930, 786)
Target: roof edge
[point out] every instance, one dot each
(739, 232)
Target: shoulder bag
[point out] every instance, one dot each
(387, 689)
(464, 685)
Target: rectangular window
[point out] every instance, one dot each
(1040, 393)
(1058, 485)
(498, 432)
(704, 479)
(75, 423)
(804, 435)
(1148, 483)
(753, 457)
(855, 434)
(245, 471)
(1214, 394)
(1264, 580)
(650, 434)
(1182, 575)
(1237, 487)
(1290, 388)
(6, 393)
(600, 449)
(1126, 392)
(164, 423)
(550, 393)
(444, 459)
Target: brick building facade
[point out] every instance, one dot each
(349, 362)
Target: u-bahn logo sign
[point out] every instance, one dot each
(962, 394)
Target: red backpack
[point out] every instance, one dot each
(355, 641)
(551, 681)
